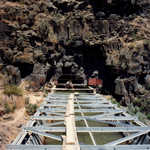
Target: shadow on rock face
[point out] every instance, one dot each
(104, 8)
(5, 31)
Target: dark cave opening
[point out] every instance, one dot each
(25, 69)
(141, 79)
(92, 58)
(50, 73)
(68, 75)
(95, 59)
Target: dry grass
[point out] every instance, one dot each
(19, 116)
(13, 90)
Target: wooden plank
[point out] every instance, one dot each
(71, 134)
(70, 138)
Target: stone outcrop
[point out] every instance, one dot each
(38, 76)
(53, 38)
(13, 74)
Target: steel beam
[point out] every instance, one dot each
(52, 136)
(83, 147)
(127, 138)
(49, 110)
(90, 129)
(55, 104)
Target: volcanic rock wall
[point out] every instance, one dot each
(45, 39)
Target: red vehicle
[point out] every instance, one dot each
(95, 82)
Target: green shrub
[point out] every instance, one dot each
(9, 107)
(137, 109)
(148, 116)
(137, 101)
(114, 101)
(31, 109)
(141, 116)
(131, 109)
(13, 90)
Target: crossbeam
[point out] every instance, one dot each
(83, 147)
(64, 89)
(49, 110)
(90, 129)
(58, 138)
(80, 101)
(115, 118)
(130, 137)
(83, 105)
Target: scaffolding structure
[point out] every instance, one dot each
(59, 119)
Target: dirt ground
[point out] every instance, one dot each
(11, 124)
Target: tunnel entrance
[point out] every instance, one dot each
(94, 59)
(68, 75)
(91, 59)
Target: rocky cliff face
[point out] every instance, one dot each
(46, 39)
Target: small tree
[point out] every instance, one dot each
(31, 109)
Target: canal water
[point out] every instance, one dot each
(84, 138)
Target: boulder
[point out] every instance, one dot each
(68, 64)
(147, 81)
(38, 76)
(13, 74)
(100, 14)
(120, 88)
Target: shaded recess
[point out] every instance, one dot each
(74, 78)
(93, 58)
(119, 7)
(50, 73)
(25, 69)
